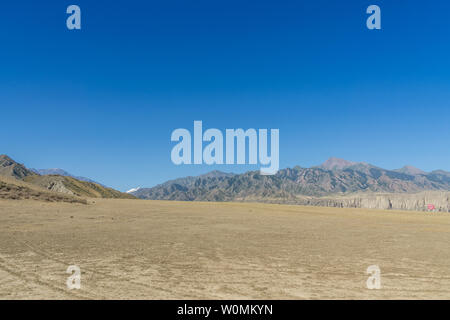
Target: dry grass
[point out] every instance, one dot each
(183, 250)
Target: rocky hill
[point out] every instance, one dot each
(12, 169)
(13, 189)
(56, 183)
(397, 201)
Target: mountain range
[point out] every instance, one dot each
(61, 172)
(336, 182)
(335, 177)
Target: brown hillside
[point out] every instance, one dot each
(12, 189)
(10, 168)
(72, 186)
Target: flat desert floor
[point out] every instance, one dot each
(131, 249)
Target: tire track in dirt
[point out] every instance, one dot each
(216, 270)
(49, 256)
(23, 276)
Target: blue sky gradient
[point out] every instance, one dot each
(102, 102)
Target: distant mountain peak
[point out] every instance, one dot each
(216, 174)
(133, 190)
(336, 164)
(52, 171)
(410, 170)
(61, 172)
(5, 157)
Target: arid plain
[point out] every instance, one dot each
(137, 249)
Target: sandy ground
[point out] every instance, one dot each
(130, 249)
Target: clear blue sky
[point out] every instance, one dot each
(102, 102)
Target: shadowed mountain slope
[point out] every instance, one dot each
(12, 169)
